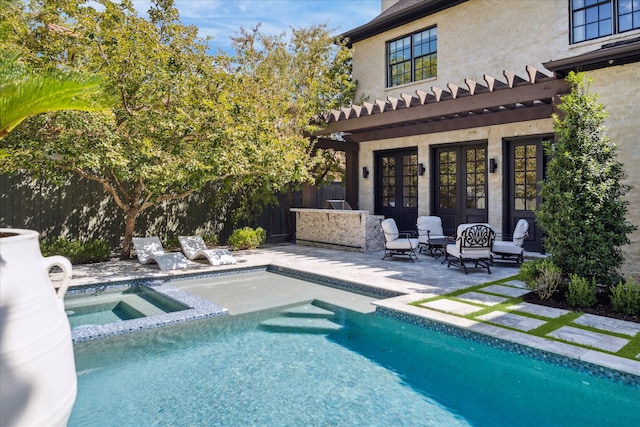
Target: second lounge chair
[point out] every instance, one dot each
(195, 248)
(149, 249)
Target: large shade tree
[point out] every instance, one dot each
(181, 117)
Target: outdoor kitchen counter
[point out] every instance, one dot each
(349, 230)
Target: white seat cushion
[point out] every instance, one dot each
(402, 244)
(510, 248)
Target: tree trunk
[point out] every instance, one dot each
(129, 229)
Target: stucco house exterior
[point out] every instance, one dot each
(460, 96)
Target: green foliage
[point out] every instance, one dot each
(581, 292)
(625, 297)
(78, 252)
(547, 277)
(210, 239)
(181, 118)
(24, 94)
(529, 272)
(583, 213)
(247, 238)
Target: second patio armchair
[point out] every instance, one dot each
(430, 235)
(396, 242)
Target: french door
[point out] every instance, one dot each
(525, 171)
(396, 189)
(460, 183)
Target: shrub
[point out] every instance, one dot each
(547, 278)
(625, 297)
(247, 238)
(210, 239)
(581, 293)
(78, 252)
(529, 272)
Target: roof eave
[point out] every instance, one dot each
(605, 57)
(404, 16)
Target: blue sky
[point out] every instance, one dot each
(220, 19)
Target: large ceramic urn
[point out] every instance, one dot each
(37, 370)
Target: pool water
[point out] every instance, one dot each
(103, 306)
(368, 370)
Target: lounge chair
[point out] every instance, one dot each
(473, 244)
(397, 243)
(430, 235)
(514, 249)
(149, 250)
(195, 248)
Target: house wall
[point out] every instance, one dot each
(481, 37)
(475, 38)
(616, 87)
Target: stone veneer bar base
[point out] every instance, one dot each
(348, 230)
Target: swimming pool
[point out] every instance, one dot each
(370, 370)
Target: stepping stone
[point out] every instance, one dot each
(307, 325)
(517, 284)
(484, 299)
(511, 320)
(506, 290)
(453, 307)
(539, 310)
(609, 324)
(307, 310)
(592, 339)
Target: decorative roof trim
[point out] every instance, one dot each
(514, 95)
(384, 23)
(607, 56)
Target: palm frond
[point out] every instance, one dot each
(25, 94)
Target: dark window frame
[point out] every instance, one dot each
(594, 19)
(412, 57)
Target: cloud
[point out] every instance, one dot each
(221, 19)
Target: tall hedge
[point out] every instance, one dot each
(583, 213)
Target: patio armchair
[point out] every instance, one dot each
(149, 250)
(195, 248)
(430, 235)
(513, 250)
(473, 244)
(398, 243)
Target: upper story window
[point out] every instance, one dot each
(591, 19)
(413, 57)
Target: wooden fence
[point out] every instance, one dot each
(80, 209)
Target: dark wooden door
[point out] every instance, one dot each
(460, 185)
(396, 189)
(525, 171)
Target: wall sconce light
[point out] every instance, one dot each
(365, 172)
(492, 165)
(421, 169)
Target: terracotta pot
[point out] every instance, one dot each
(37, 370)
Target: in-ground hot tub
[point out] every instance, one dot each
(99, 311)
(104, 305)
